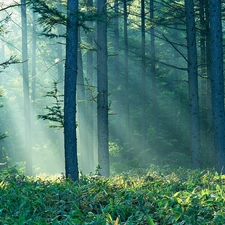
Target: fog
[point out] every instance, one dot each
(167, 119)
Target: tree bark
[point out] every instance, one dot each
(217, 82)
(117, 80)
(91, 109)
(82, 115)
(210, 138)
(143, 77)
(70, 137)
(193, 83)
(154, 91)
(102, 82)
(203, 103)
(126, 77)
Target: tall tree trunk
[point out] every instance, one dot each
(116, 41)
(143, 77)
(175, 86)
(193, 83)
(34, 65)
(60, 69)
(154, 91)
(217, 81)
(210, 138)
(126, 77)
(60, 52)
(70, 137)
(82, 115)
(204, 122)
(117, 72)
(102, 82)
(28, 149)
(206, 114)
(91, 112)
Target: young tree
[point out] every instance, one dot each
(102, 83)
(70, 138)
(193, 82)
(217, 82)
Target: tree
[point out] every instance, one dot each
(126, 74)
(26, 89)
(60, 50)
(102, 86)
(217, 82)
(205, 89)
(91, 106)
(34, 59)
(70, 138)
(153, 72)
(193, 82)
(82, 115)
(143, 77)
(116, 68)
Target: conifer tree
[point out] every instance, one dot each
(102, 85)
(217, 82)
(193, 83)
(70, 137)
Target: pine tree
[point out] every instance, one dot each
(70, 138)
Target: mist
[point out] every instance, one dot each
(165, 98)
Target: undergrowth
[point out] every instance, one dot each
(136, 197)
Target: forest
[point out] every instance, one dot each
(148, 82)
(112, 112)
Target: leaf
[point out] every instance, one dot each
(117, 221)
(150, 220)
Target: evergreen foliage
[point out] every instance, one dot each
(11, 60)
(55, 112)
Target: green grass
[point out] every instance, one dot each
(137, 197)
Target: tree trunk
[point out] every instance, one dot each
(60, 52)
(203, 103)
(34, 66)
(143, 77)
(82, 115)
(28, 149)
(210, 138)
(117, 80)
(154, 90)
(70, 138)
(193, 83)
(91, 109)
(126, 77)
(217, 82)
(102, 82)
(206, 118)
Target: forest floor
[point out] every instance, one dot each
(136, 197)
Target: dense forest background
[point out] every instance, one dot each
(150, 117)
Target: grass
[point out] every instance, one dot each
(137, 197)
